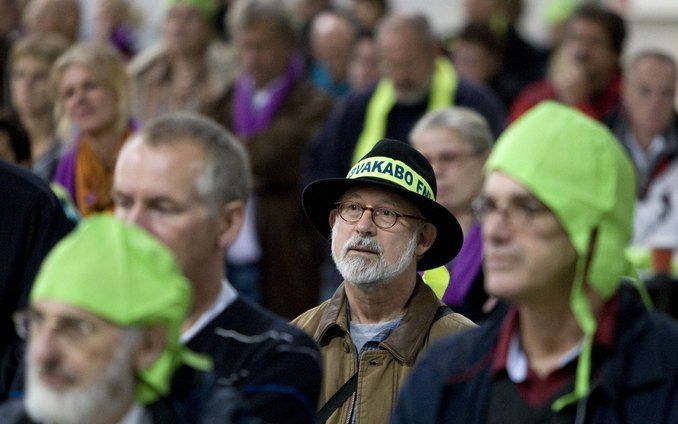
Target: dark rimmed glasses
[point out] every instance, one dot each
(383, 218)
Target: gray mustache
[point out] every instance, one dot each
(364, 243)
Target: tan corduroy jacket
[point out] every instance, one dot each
(380, 372)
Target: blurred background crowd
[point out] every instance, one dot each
(300, 83)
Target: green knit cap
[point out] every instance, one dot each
(122, 274)
(576, 167)
(208, 8)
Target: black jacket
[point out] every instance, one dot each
(32, 221)
(331, 151)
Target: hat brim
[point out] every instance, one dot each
(320, 196)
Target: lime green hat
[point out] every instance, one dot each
(122, 274)
(558, 11)
(208, 8)
(576, 167)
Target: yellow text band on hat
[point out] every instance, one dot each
(394, 171)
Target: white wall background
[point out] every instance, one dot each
(652, 23)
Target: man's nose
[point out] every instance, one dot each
(43, 345)
(496, 227)
(365, 224)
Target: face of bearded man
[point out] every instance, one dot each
(367, 272)
(58, 392)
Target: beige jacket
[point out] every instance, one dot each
(154, 83)
(381, 372)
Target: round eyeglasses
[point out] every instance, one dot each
(383, 218)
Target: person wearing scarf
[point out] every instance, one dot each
(415, 79)
(457, 141)
(274, 111)
(92, 99)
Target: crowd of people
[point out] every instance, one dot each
(319, 211)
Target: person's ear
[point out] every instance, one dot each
(332, 217)
(231, 219)
(427, 235)
(152, 344)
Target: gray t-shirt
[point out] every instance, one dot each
(362, 333)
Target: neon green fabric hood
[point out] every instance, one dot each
(122, 274)
(208, 8)
(576, 167)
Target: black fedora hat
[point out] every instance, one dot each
(398, 167)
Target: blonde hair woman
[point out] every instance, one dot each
(92, 108)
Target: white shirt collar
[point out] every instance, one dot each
(517, 363)
(644, 158)
(226, 296)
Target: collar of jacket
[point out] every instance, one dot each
(405, 341)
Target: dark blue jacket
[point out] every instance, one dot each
(330, 153)
(637, 383)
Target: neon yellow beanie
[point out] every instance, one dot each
(122, 274)
(576, 167)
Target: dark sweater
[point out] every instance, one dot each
(31, 222)
(275, 366)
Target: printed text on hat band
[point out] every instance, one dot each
(394, 171)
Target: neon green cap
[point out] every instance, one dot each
(576, 167)
(122, 274)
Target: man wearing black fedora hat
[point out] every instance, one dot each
(384, 225)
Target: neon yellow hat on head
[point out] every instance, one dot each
(122, 274)
(576, 167)
(208, 8)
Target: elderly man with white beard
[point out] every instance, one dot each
(385, 225)
(103, 331)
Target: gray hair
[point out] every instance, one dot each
(417, 23)
(245, 13)
(469, 124)
(226, 175)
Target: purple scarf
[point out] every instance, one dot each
(465, 267)
(65, 170)
(247, 121)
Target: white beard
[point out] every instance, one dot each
(99, 400)
(367, 273)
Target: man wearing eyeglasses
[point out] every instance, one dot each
(576, 345)
(384, 225)
(102, 327)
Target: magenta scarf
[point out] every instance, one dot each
(465, 267)
(247, 121)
